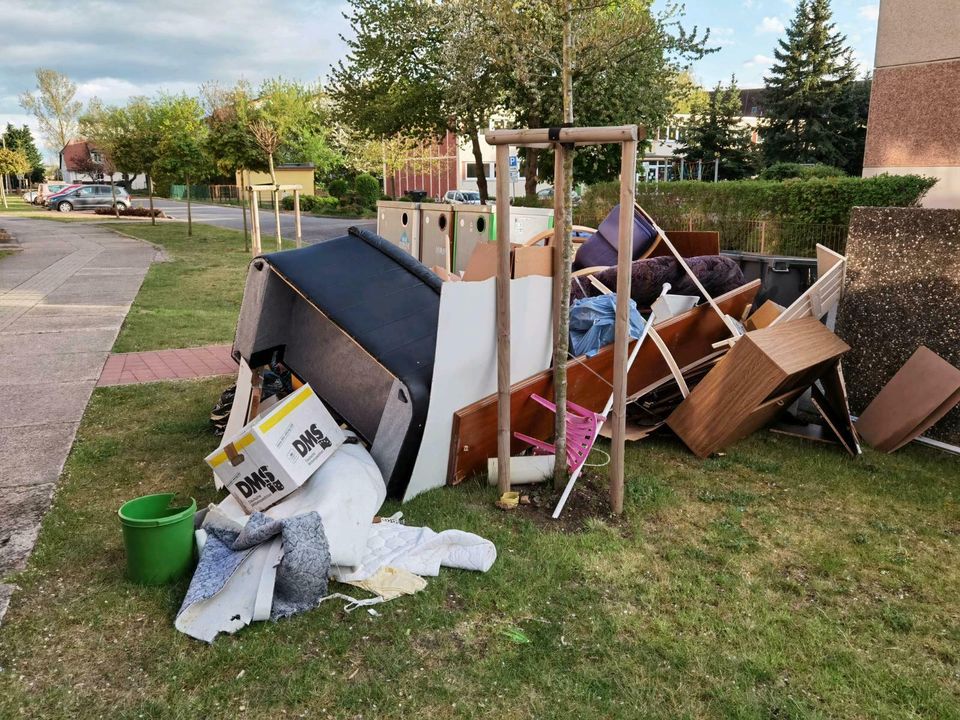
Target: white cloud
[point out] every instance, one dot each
(115, 49)
(869, 12)
(722, 36)
(770, 25)
(759, 61)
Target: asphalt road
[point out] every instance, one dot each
(315, 229)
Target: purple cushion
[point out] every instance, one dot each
(601, 247)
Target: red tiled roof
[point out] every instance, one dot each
(74, 152)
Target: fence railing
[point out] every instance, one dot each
(766, 237)
(208, 193)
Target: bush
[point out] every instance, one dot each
(310, 203)
(532, 202)
(131, 212)
(338, 188)
(817, 200)
(787, 171)
(367, 189)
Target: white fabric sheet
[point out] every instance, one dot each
(419, 550)
(465, 365)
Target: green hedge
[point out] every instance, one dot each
(816, 200)
(311, 203)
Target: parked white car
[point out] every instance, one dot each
(463, 197)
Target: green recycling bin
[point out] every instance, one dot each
(158, 538)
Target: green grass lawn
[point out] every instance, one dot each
(782, 580)
(194, 298)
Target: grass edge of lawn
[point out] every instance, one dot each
(781, 579)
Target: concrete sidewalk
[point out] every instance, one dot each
(63, 299)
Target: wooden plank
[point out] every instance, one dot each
(503, 318)
(833, 406)
(921, 392)
(296, 216)
(763, 316)
(589, 380)
(535, 260)
(690, 243)
(578, 135)
(628, 194)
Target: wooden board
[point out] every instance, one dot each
(762, 365)
(763, 316)
(688, 337)
(534, 260)
(925, 389)
(690, 243)
(833, 406)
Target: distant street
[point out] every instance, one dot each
(315, 229)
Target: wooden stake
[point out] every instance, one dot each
(256, 247)
(296, 217)
(503, 318)
(243, 204)
(628, 194)
(561, 336)
(276, 214)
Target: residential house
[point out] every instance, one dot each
(664, 159)
(81, 162)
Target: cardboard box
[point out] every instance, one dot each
(277, 452)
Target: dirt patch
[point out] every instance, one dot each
(589, 500)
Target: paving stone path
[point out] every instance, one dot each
(154, 365)
(63, 298)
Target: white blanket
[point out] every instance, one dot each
(419, 550)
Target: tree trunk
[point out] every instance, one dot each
(563, 324)
(3, 192)
(113, 197)
(153, 219)
(189, 212)
(243, 206)
(276, 200)
(530, 170)
(478, 160)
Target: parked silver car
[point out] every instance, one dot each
(90, 197)
(463, 197)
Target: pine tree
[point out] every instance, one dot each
(809, 114)
(22, 139)
(714, 131)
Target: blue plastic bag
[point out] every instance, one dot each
(592, 323)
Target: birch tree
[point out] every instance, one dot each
(55, 107)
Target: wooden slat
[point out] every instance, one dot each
(578, 135)
(618, 418)
(821, 297)
(503, 319)
(589, 380)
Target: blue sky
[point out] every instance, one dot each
(747, 32)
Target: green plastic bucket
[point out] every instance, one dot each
(158, 538)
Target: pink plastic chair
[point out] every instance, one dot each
(583, 426)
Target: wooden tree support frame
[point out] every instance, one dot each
(253, 191)
(560, 139)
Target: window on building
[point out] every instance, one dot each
(96, 157)
(489, 170)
